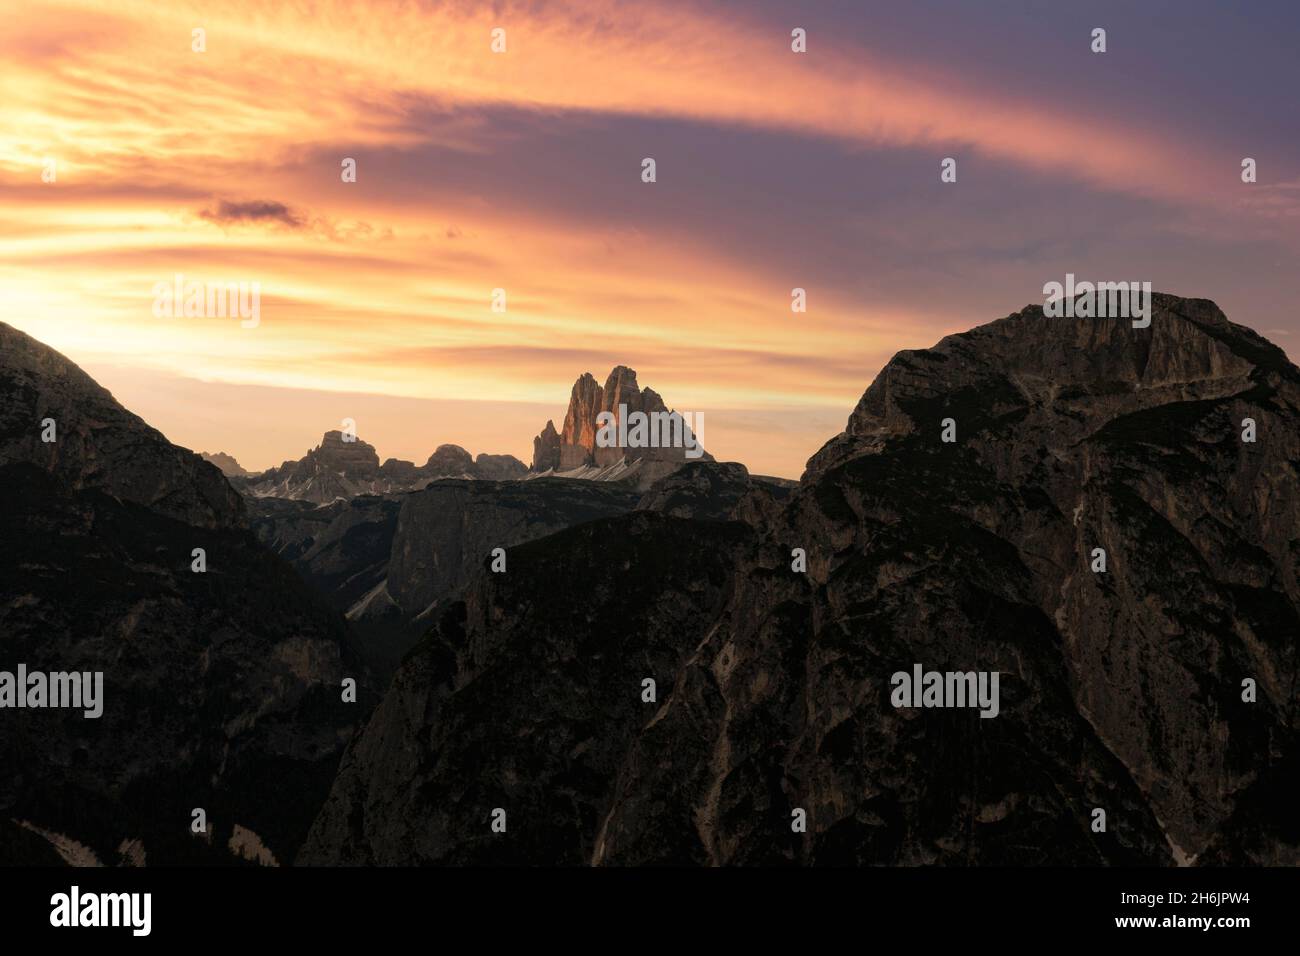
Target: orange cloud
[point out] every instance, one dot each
(275, 79)
(208, 164)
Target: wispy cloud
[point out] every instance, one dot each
(520, 171)
(255, 211)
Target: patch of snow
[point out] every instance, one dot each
(73, 853)
(247, 845)
(359, 608)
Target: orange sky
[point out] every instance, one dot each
(521, 170)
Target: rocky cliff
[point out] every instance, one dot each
(1074, 505)
(57, 418)
(228, 465)
(221, 686)
(575, 451)
(387, 560)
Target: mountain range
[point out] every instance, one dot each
(575, 452)
(1160, 691)
(675, 666)
(343, 466)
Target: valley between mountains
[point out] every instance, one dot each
(523, 690)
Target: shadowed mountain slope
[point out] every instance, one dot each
(221, 690)
(1123, 690)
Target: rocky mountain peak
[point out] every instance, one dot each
(228, 465)
(355, 456)
(218, 681)
(1062, 378)
(546, 448)
(338, 469)
(450, 460)
(575, 447)
(620, 388)
(95, 443)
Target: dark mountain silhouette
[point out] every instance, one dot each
(97, 444)
(389, 562)
(1121, 690)
(221, 690)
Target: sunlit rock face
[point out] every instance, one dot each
(575, 451)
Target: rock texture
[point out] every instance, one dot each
(98, 444)
(574, 452)
(386, 561)
(221, 689)
(498, 467)
(560, 643)
(722, 491)
(1120, 690)
(446, 533)
(229, 467)
(341, 548)
(340, 469)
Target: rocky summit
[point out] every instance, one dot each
(228, 465)
(343, 466)
(55, 417)
(1106, 517)
(575, 451)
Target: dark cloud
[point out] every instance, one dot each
(257, 210)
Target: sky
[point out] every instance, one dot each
(128, 158)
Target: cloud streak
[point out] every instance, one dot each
(254, 211)
(520, 171)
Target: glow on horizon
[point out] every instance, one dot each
(383, 287)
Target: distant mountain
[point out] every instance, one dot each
(386, 544)
(575, 451)
(222, 689)
(1146, 711)
(342, 467)
(229, 467)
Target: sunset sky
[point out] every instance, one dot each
(522, 171)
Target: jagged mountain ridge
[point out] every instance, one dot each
(1120, 690)
(575, 453)
(97, 443)
(228, 465)
(388, 561)
(343, 467)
